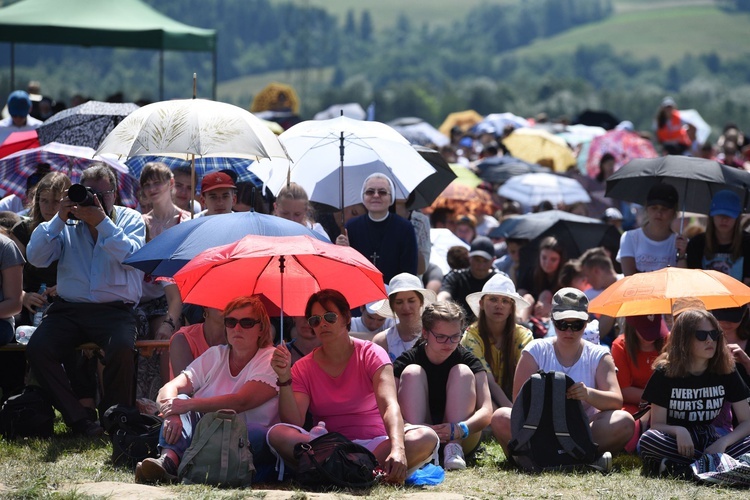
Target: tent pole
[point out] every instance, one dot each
(12, 67)
(161, 74)
(215, 75)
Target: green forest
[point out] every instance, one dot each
(554, 56)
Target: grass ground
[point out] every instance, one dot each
(31, 469)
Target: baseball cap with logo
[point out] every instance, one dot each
(216, 180)
(570, 303)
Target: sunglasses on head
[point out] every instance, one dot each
(330, 317)
(245, 323)
(575, 326)
(702, 335)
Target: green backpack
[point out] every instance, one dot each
(220, 453)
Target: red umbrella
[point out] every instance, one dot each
(18, 141)
(622, 144)
(286, 270)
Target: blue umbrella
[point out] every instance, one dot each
(171, 250)
(203, 165)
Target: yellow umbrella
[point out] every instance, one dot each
(536, 145)
(465, 176)
(276, 97)
(464, 119)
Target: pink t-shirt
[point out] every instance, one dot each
(345, 403)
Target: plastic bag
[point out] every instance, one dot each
(429, 475)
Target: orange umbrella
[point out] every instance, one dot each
(654, 292)
(464, 199)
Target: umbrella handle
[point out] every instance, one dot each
(281, 322)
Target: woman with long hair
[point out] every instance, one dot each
(236, 376)
(443, 385)
(495, 338)
(292, 203)
(692, 379)
(634, 353)
(724, 246)
(406, 301)
(539, 285)
(347, 383)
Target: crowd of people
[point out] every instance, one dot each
(424, 374)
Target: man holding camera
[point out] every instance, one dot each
(97, 294)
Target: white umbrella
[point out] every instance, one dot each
(418, 131)
(532, 189)
(187, 128)
(353, 110)
(702, 129)
(496, 123)
(331, 158)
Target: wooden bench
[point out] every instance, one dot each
(144, 347)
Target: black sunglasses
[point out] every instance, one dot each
(702, 335)
(330, 317)
(576, 326)
(443, 339)
(246, 323)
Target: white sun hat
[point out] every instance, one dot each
(405, 282)
(497, 285)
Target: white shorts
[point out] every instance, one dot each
(371, 444)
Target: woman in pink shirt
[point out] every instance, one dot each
(348, 384)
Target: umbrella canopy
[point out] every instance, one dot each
(464, 199)
(624, 145)
(498, 169)
(84, 125)
(171, 250)
(286, 270)
(353, 110)
(537, 145)
(18, 141)
(532, 189)
(71, 160)
(654, 292)
(331, 157)
(603, 119)
(495, 123)
(192, 127)
(696, 181)
(429, 189)
(240, 166)
(276, 97)
(702, 129)
(462, 119)
(418, 131)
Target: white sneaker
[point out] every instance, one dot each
(453, 457)
(604, 463)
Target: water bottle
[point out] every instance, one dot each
(23, 333)
(41, 309)
(318, 430)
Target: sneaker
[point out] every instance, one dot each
(676, 470)
(152, 470)
(453, 457)
(651, 467)
(604, 463)
(87, 428)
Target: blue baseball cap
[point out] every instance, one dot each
(19, 103)
(726, 202)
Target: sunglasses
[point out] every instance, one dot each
(702, 335)
(443, 339)
(330, 317)
(575, 326)
(381, 192)
(246, 323)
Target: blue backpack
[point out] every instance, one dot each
(550, 431)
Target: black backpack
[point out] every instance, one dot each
(28, 414)
(134, 435)
(550, 431)
(332, 460)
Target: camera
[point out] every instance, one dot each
(83, 196)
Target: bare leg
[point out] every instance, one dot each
(462, 403)
(413, 395)
(500, 424)
(419, 444)
(611, 430)
(283, 439)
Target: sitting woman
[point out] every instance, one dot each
(191, 341)
(692, 379)
(539, 284)
(634, 353)
(443, 385)
(237, 376)
(406, 298)
(589, 365)
(495, 338)
(303, 340)
(348, 384)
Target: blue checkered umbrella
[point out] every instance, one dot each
(203, 165)
(71, 160)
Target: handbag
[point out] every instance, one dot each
(332, 460)
(134, 435)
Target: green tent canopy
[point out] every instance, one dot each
(109, 23)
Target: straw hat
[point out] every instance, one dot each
(405, 282)
(497, 285)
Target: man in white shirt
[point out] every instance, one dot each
(19, 106)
